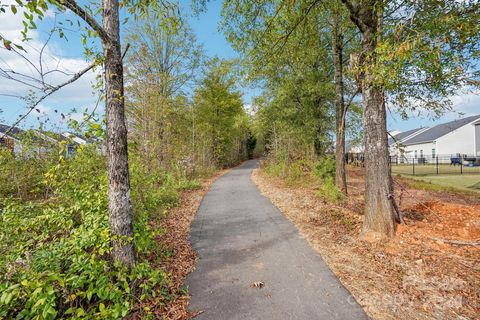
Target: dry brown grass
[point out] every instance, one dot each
(412, 276)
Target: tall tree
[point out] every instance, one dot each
(379, 209)
(341, 46)
(119, 206)
(218, 110)
(408, 29)
(164, 65)
(120, 211)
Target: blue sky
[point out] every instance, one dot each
(80, 95)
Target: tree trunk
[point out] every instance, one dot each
(119, 208)
(379, 211)
(340, 110)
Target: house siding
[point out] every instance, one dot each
(395, 148)
(425, 147)
(458, 141)
(477, 139)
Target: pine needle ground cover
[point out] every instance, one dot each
(428, 271)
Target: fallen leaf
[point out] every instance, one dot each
(257, 284)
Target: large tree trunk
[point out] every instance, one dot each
(379, 211)
(340, 110)
(120, 211)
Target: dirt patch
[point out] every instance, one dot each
(177, 256)
(430, 270)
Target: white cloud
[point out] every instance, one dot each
(464, 104)
(76, 116)
(57, 67)
(467, 104)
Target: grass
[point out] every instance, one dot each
(430, 169)
(451, 182)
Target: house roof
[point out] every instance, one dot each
(23, 135)
(440, 130)
(13, 133)
(402, 135)
(78, 139)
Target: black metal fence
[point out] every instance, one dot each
(434, 165)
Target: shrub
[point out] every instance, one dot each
(329, 191)
(325, 168)
(55, 250)
(291, 172)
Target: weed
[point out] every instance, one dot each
(329, 191)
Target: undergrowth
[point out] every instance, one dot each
(55, 238)
(319, 172)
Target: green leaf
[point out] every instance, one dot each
(19, 47)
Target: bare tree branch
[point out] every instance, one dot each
(54, 89)
(51, 89)
(357, 91)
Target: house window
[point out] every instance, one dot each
(415, 154)
(421, 153)
(433, 153)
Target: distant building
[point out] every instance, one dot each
(22, 142)
(10, 141)
(459, 137)
(454, 139)
(397, 138)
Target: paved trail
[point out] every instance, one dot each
(241, 238)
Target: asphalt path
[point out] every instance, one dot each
(242, 239)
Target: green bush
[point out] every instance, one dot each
(325, 168)
(329, 191)
(291, 172)
(55, 247)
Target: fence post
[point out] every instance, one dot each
(437, 165)
(461, 165)
(413, 165)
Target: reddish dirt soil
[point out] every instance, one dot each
(430, 270)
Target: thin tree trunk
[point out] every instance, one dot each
(340, 109)
(119, 209)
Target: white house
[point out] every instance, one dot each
(396, 139)
(459, 137)
(20, 142)
(39, 142)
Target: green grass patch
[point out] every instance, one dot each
(431, 169)
(458, 183)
